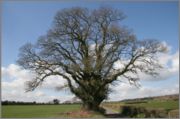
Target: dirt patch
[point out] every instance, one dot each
(78, 114)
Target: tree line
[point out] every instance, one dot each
(6, 102)
(53, 102)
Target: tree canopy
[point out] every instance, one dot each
(83, 47)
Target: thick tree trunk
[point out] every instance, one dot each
(91, 92)
(92, 106)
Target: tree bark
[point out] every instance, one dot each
(91, 106)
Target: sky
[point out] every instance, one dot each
(24, 22)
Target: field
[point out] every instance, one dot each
(167, 107)
(41, 111)
(152, 107)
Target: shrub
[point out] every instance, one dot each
(133, 111)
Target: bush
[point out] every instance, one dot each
(159, 113)
(130, 111)
(133, 111)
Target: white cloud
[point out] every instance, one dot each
(14, 71)
(53, 81)
(171, 69)
(126, 91)
(37, 95)
(175, 62)
(170, 63)
(14, 89)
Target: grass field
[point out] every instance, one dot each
(41, 111)
(170, 106)
(167, 105)
(75, 110)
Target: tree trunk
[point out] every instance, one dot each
(92, 93)
(91, 106)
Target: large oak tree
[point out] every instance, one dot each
(83, 47)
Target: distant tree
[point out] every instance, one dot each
(83, 47)
(56, 101)
(4, 102)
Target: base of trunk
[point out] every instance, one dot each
(92, 107)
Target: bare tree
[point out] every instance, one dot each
(83, 46)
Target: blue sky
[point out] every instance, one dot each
(25, 21)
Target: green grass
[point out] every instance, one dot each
(28, 111)
(43, 111)
(167, 105)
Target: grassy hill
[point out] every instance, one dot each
(167, 106)
(163, 97)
